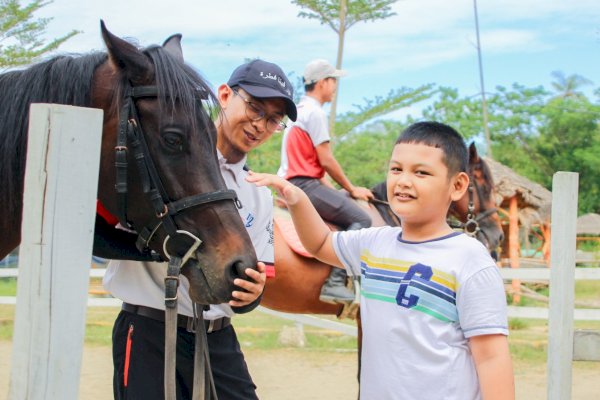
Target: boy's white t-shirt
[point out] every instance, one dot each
(419, 304)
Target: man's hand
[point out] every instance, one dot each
(361, 193)
(252, 288)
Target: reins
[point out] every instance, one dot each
(131, 138)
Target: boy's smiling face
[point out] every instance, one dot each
(419, 189)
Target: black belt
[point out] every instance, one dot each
(183, 321)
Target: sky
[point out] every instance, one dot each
(427, 41)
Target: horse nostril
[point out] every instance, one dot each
(501, 238)
(238, 270)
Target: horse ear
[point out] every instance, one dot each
(473, 155)
(127, 58)
(172, 45)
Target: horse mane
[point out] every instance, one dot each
(68, 80)
(60, 80)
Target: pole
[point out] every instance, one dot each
(338, 63)
(486, 129)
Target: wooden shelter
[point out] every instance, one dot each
(588, 224)
(524, 204)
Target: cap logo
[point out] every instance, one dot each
(273, 77)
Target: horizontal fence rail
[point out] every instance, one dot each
(524, 274)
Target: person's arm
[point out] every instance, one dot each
(314, 234)
(494, 366)
(334, 170)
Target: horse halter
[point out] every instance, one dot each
(471, 225)
(130, 131)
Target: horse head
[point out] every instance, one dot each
(477, 210)
(159, 152)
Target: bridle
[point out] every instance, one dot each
(131, 132)
(131, 136)
(471, 226)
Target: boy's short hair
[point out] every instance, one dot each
(441, 136)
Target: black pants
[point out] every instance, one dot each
(332, 205)
(139, 372)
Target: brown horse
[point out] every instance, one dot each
(299, 277)
(158, 171)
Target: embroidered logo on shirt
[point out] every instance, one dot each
(249, 220)
(271, 233)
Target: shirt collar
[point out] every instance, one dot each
(310, 99)
(235, 168)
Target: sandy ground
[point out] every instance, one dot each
(300, 375)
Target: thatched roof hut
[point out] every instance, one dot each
(588, 224)
(534, 200)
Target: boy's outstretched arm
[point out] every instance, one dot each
(314, 234)
(494, 366)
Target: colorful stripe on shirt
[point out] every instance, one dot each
(411, 285)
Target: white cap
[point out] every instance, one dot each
(320, 69)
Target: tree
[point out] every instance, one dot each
(340, 15)
(534, 133)
(395, 100)
(20, 33)
(566, 86)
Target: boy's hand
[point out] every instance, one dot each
(252, 289)
(284, 188)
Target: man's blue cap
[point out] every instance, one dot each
(263, 79)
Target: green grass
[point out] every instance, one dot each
(8, 287)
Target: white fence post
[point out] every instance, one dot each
(562, 285)
(61, 181)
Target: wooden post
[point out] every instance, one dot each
(562, 285)
(513, 245)
(61, 179)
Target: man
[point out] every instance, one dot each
(305, 158)
(253, 105)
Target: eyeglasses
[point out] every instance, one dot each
(255, 113)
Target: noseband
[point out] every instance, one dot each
(131, 137)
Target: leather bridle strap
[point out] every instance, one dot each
(130, 131)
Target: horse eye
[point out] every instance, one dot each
(173, 141)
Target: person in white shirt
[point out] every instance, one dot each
(253, 105)
(305, 158)
(433, 307)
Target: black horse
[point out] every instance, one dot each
(159, 173)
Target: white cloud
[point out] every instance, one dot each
(418, 43)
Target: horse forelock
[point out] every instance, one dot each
(180, 86)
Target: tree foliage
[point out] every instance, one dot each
(327, 12)
(380, 106)
(21, 39)
(535, 133)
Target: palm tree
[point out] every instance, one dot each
(566, 86)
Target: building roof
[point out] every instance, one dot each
(534, 200)
(588, 224)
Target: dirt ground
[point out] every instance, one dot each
(300, 375)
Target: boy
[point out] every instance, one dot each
(433, 307)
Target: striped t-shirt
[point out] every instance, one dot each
(420, 302)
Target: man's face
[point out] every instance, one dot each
(329, 86)
(240, 128)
